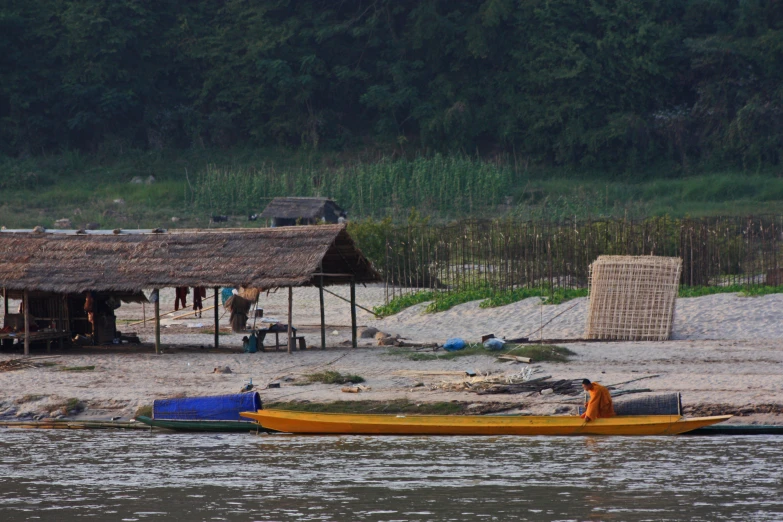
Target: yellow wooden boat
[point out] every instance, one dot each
(359, 424)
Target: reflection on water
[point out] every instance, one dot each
(63, 476)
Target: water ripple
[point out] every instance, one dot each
(67, 476)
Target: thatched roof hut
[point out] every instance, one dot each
(293, 211)
(126, 261)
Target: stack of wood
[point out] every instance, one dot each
(542, 385)
(23, 364)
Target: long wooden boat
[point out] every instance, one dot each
(337, 423)
(201, 425)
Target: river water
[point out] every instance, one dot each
(130, 476)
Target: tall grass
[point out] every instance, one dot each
(456, 185)
(196, 183)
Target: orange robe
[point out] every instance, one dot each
(600, 403)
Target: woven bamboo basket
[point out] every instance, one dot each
(632, 297)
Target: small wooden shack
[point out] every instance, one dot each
(285, 212)
(62, 267)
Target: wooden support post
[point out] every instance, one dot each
(157, 321)
(143, 314)
(354, 342)
(323, 314)
(61, 323)
(217, 318)
(26, 323)
(67, 313)
(5, 301)
(290, 317)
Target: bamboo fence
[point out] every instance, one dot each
(508, 254)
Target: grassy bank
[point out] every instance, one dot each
(194, 184)
(490, 298)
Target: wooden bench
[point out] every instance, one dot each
(262, 333)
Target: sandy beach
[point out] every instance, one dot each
(725, 357)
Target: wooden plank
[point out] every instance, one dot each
(516, 358)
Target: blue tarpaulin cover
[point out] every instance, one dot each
(216, 407)
(454, 344)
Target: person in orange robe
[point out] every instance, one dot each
(600, 404)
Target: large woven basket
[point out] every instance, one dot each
(632, 297)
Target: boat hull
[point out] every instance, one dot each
(201, 425)
(335, 423)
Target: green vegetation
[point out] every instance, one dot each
(446, 300)
(493, 298)
(541, 352)
(73, 404)
(572, 83)
(399, 303)
(462, 108)
(143, 411)
(537, 352)
(196, 184)
(332, 377)
(490, 298)
(440, 355)
(550, 297)
(77, 368)
(742, 290)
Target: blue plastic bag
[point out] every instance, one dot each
(494, 344)
(251, 345)
(454, 344)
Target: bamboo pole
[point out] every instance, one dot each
(26, 323)
(353, 313)
(290, 315)
(162, 315)
(217, 318)
(157, 321)
(207, 309)
(348, 301)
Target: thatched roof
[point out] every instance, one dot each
(305, 208)
(260, 258)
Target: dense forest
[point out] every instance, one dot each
(590, 83)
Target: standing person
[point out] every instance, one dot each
(181, 294)
(600, 404)
(199, 293)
